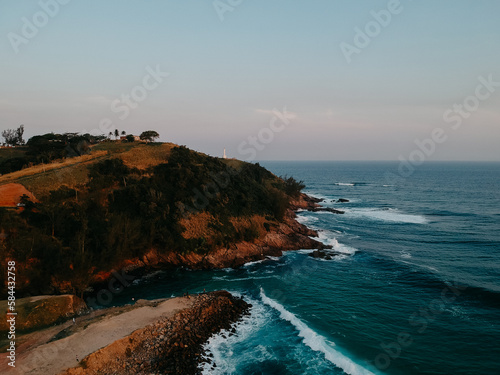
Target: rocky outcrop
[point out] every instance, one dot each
(305, 202)
(287, 235)
(41, 311)
(171, 345)
(327, 255)
(343, 200)
(327, 209)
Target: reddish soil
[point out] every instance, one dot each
(10, 194)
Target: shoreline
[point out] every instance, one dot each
(102, 331)
(160, 336)
(288, 235)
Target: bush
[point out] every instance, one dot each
(292, 186)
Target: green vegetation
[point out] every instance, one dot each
(121, 210)
(49, 147)
(292, 186)
(14, 137)
(149, 135)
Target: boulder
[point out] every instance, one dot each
(327, 255)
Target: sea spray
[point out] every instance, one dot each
(219, 348)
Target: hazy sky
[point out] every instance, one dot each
(359, 80)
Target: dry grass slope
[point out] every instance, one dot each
(145, 156)
(72, 172)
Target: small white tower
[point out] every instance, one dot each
(224, 156)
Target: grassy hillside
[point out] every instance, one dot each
(11, 153)
(123, 199)
(42, 178)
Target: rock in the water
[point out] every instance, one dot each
(327, 255)
(343, 200)
(327, 209)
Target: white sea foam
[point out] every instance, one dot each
(306, 219)
(317, 342)
(221, 344)
(433, 269)
(405, 254)
(458, 312)
(344, 184)
(329, 238)
(273, 258)
(392, 215)
(318, 196)
(231, 279)
(246, 265)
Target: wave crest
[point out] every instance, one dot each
(392, 215)
(315, 341)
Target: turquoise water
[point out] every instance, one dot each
(416, 289)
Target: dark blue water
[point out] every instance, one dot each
(415, 289)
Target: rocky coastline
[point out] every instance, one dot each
(171, 345)
(288, 235)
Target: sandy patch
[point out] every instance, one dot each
(56, 356)
(10, 194)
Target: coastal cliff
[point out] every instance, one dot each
(155, 206)
(288, 234)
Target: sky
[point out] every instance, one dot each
(266, 80)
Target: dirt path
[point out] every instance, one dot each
(54, 357)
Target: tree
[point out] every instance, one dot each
(149, 135)
(124, 132)
(47, 147)
(50, 146)
(117, 133)
(110, 134)
(130, 138)
(14, 137)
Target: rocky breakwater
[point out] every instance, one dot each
(171, 345)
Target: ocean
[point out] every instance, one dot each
(414, 287)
